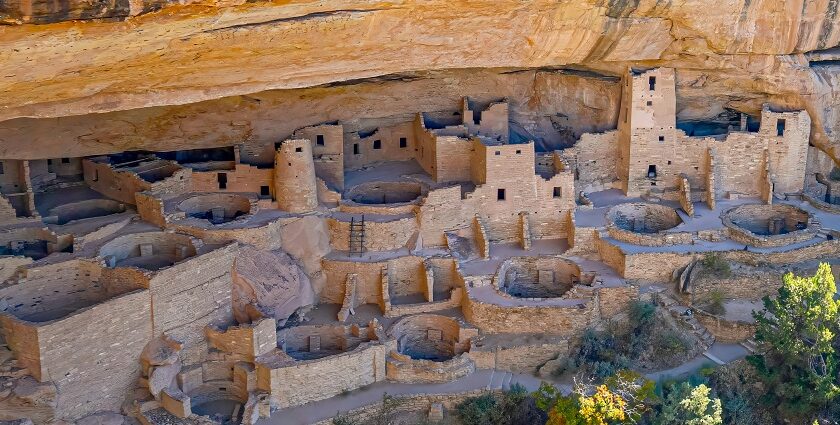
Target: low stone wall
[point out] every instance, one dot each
(725, 331)
(523, 354)
(351, 207)
(743, 220)
(402, 368)
(552, 320)
(409, 403)
(650, 239)
(299, 382)
(265, 237)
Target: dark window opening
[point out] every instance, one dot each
(780, 127)
(2, 171)
(222, 179)
(649, 103)
(669, 162)
(558, 192)
(651, 171)
(652, 83)
(277, 145)
(498, 152)
(96, 175)
(49, 162)
(403, 142)
(299, 149)
(500, 194)
(319, 140)
(661, 138)
(377, 144)
(264, 191)
(355, 148)
(65, 160)
(518, 152)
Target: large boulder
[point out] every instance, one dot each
(268, 283)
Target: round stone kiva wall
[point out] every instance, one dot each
(642, 217)
(764, 225)
(383, 193)
(216, 208)
(319, 341)
(537, 277)
(427, 337)
(150, 251)
(90, 208)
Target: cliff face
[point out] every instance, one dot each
(138, 64)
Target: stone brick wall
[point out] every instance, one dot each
(291, 384)
(327, 150)
(595, 157)
(112, 183)
(295, 186)
(725, 331)
(404, 369)
(523, 356)
(389, 146)
(192, 295)
(379, 235)
(553, 320)
(248, 340)
(242, 178)
(91, 356)
(368, 282)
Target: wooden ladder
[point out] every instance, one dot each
(357, 236)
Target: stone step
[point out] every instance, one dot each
(714, 358)
(506, 381)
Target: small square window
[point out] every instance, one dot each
(355, 148)
(498, 153)
(377, 144)
(298, 149)
(669, 162)
(558, 192)
(518, 152)
(319, 140)
(403, 142)
(65, 160)
(264, 191)
(649, 103)
(500, 194)
(661, 138)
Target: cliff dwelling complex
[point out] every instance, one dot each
(256, 235)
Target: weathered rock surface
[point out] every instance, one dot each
(270, 281)
(732, 54)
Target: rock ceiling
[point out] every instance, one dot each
(188, 75)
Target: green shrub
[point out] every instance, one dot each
(715, 303)
(716, 265)
(513, 407)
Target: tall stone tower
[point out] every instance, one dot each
(647, 132)
(295, 186)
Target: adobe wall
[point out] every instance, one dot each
(441, 211)
(594, 157)
(389, 146)
(242, 178)
(114, 184)
(379, 235)
(290, 383)
(327, 150)
(91, 355)
(368, 286)
(150, 208)
(491, 122)
(265, 237)
(248, 340)
(192, 295)
(553, 320)
(787, 153)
